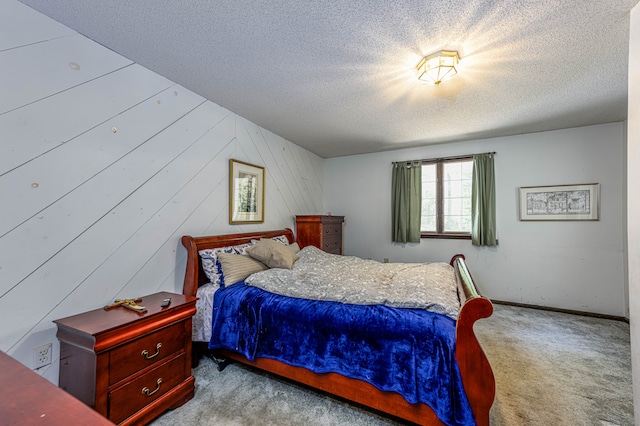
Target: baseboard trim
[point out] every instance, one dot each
(564, 311)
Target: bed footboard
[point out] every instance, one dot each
(477, 376)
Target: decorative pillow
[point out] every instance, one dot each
(209, 260)
(237, 267)
(273, 254)
(281, 238)
(294, 247)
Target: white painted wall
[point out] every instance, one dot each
(633, 196)
(570, 265)
(104, 165)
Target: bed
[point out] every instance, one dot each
(471, 366)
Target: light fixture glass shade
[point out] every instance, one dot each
(438, 67)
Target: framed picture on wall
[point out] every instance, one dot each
(560, 202)
(246, 192)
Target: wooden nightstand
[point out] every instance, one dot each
(324, 232)
(130, 367)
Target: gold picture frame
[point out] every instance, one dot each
(246, 192)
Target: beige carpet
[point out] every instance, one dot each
(550, 368)
(558, 369)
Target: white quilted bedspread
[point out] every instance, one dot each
(318, 275)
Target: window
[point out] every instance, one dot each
(446, 198)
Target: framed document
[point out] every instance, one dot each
(246, 192)
(560, 202)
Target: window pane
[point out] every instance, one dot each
(428, 217)
(451, 223)
(467, 169)
(465, 223)
(452, 171)
(453, 207)
(466, 207)
(452, 188)
(428, 173)
(429, 190)
(428, 223)
(466, 188)
(429, 202)
(429, 207)
(457, 196)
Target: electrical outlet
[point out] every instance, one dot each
(42, 355)
(386, 260)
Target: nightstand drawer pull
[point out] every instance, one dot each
(145, 390)
(145, 353)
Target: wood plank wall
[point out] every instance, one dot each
(104, 165)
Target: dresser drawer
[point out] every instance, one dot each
(332, 238)
(145, 352)
(140, 392)
(332, 245)
(332, 231)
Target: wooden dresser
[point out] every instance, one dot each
(324, 232)
(129, 366)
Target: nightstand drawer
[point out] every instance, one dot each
(144, 352)
(145, 389)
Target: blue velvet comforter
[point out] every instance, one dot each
(408, 351)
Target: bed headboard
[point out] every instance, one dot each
(194, 275)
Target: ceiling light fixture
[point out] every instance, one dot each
(438, 67)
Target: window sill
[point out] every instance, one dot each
(450, 236)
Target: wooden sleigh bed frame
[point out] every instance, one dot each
(477, 376)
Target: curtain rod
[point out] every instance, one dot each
(433, 160)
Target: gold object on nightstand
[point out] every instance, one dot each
(129, 304)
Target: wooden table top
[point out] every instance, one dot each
(26, 398)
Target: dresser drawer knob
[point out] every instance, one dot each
(145, 353)
(145, 390)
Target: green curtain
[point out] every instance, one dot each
(406, 199)
(483, 202)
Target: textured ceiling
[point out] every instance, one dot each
(338, 77)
